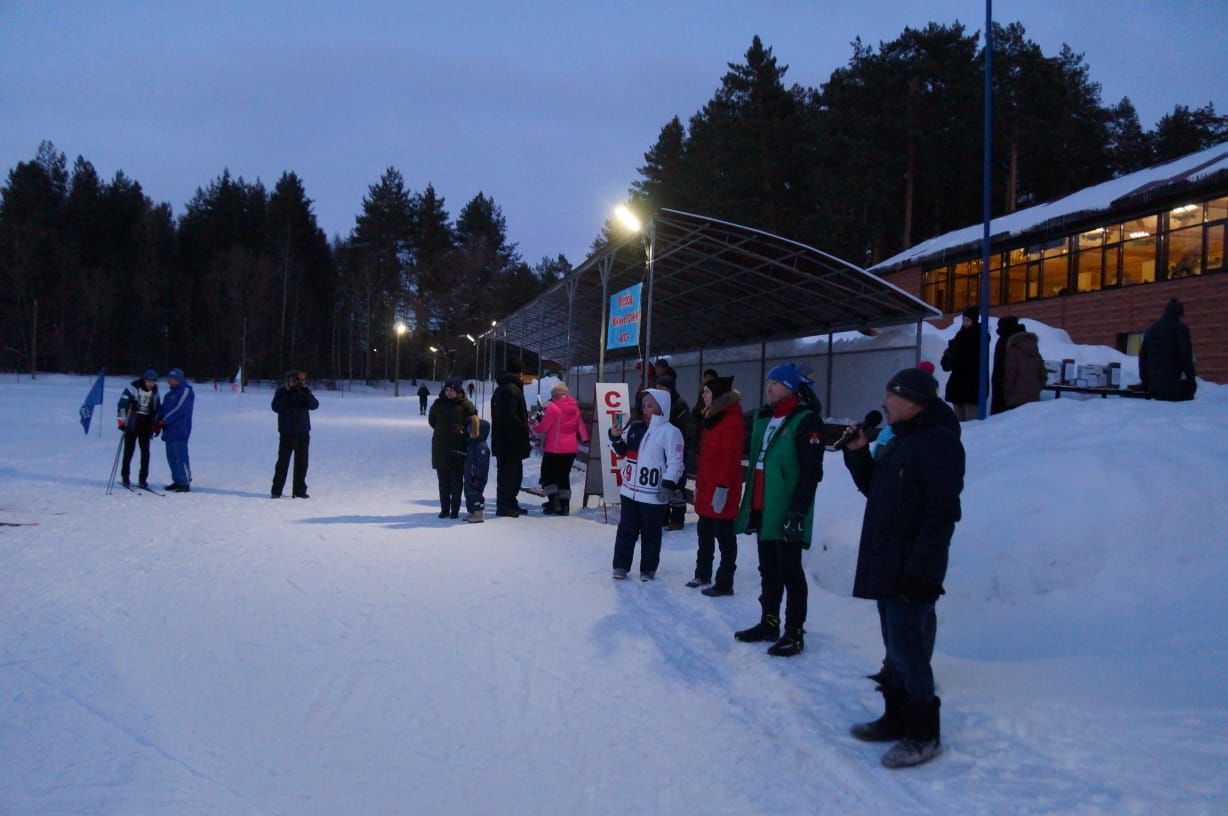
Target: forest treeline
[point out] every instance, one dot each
(885, 153)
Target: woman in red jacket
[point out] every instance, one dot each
(561, 427)
(718, 484)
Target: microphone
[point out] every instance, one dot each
(868, 424)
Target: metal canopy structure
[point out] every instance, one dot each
(708, 283)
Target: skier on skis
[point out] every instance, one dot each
(135, 417)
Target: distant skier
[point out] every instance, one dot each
(293, 403)
(477, 470)
(135, 417)
(174, 422)
(423, 393)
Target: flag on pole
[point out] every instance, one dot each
(94, 397)
(237, 385)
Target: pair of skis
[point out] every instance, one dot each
(139, 489)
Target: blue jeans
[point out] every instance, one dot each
(643, 521)
(177, 458)
(909, 630)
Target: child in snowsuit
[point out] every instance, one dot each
(477, 469)
(654, 465)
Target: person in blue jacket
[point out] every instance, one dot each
(477, 469)
(174, 422)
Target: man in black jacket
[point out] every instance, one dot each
(509, 439)
(293, 403)
(912, 486)
(1166, 358)
(963, 359)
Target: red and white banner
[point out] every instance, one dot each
(611, 399)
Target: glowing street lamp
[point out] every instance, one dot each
(627, 218)
(400, 328)
(434, 361)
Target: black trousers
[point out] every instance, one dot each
(712, 532)
(556, 470)
(451, 485)
(508, 477)
(297, 445)
(141, 434)
(643, 521)
(780, 567)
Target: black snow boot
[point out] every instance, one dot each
(889, 727)
(550, 507)
(768, 628)
(790, 644)
(564, 505)
(922, 742)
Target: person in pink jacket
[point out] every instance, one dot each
(561, 430)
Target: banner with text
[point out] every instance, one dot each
(612, 402)
(624, 328)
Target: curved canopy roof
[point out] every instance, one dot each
(715, 284)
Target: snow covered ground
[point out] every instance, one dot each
(221, 652)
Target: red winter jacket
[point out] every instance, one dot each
(720, 457)
(561, 426)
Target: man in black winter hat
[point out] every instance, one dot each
(509, 438)
(912, 487)
(1166, 358)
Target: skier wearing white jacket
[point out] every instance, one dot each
(653, 466)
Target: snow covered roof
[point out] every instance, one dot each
(1134, 189)
(715, 284)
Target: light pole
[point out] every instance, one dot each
(401, 328)
(647, 235)
(434, 360)
(469, 337)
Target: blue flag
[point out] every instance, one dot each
(94, 397)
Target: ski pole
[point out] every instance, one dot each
(115, 465)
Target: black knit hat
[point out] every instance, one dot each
(1174, 308)
(914, 385)
(720, 385)
(514, 366)
(972, 313)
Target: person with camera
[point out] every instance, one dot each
(293, 403)
(174, 421)
(912, 486)
(649, 476)
(785, 466)
(135, 417)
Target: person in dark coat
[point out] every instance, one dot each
(785, 467)
(135, 417)
(509, 439)
(912, 487)
(963, 359)
(449, 416)
(680, 418)
(293, 403)
(174, 422)
(1007, 327)
(718, 484)
(1166, 358)
(477, 470)
(423, 393)
(1025, 373)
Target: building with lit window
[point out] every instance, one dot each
(1099, 263)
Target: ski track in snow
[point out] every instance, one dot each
(224, 652)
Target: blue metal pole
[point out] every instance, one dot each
(983, 385)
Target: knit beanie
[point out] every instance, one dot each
(720, 385)
(787, 375)
(914, 385)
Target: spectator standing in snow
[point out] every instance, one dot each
(423, 393)
(785, 467)
(1008, 326)
(449, 416)
(652, 449)
(912, 487)
(293, 403)
(1166, 358)
(1024, 371)
(135, 417)
(963, 359)
(477, 470)
(561, 429)
(680, 418)
(509, 439)
(718, 484)
(174, 422)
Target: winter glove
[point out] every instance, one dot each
(793, 528)
(919, 589)
(158, 426)
(719, 497)
(669, 493)
(119, 423)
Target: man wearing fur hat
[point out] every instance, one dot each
(509, 438)
(718, 484)
(912, 487)
(1166, 358)
(785, 467)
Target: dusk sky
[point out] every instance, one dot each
(548, 107)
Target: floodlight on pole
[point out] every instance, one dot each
(627, 218)
(400, 328)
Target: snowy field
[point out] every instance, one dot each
(223, 653)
